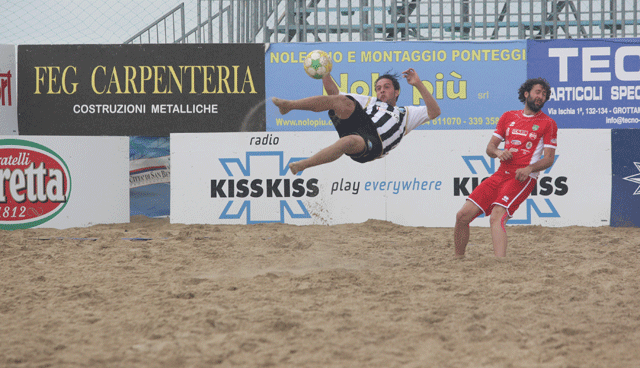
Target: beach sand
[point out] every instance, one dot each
(154, 294)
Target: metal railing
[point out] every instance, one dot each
(271, 21)
(170, 28)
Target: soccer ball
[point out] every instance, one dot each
(317, 64)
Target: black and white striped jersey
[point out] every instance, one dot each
(392, 122)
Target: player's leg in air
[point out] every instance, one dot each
(350, 144)
(342, 107)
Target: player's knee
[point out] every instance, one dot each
(343, 106)
(499, 218)
(463, 218)
(495, 217)
(342, 99)
(353, 144)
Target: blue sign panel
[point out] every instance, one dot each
(473, 82)
(595, 82)
(625, 183)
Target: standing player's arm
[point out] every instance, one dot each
(494, 152)
(545, 162)
(330, 85)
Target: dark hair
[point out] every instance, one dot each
(392, 77)
(394, 80)
(528, 85)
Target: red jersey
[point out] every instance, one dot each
(526, 137)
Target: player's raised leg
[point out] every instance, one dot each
(342, 105)
(467, 213)
(350, 144)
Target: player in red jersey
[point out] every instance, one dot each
(530, 144)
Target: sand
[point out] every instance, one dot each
(154, 294)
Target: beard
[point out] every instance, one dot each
(389, 100)
(531, 104)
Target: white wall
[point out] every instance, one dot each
(413, 185)
(98, 173)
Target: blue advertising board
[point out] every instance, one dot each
(473, 82)
(149, 197)
(595, 82)
(625, 183)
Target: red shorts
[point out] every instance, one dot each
(502, 189)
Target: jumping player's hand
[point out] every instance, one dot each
(412, 76)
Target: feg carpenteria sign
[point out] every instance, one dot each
(53, 182)
(140, 90)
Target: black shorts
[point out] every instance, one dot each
(359, 123)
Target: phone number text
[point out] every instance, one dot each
(490, 120)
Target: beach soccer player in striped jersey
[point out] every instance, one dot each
(368, 127)
(530, 138)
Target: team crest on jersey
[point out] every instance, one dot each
(535, 127)
(533, 136)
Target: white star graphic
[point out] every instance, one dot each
(635, 178)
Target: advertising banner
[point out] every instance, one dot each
(625, 189)
(8, 90)
(59, 182)
(595, 82)
(565, 194)
(149, 176)
(140, 90)
(473, 82)
(243, 178)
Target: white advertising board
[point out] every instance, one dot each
(62, 181)
(8, 90)
(242, 178)
(576, 190)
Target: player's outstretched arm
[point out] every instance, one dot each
(433, 109)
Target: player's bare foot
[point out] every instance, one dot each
(295, 167)
(281, 105)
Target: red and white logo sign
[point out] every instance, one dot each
(521, 132)
(5, 88)
(36, 184)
